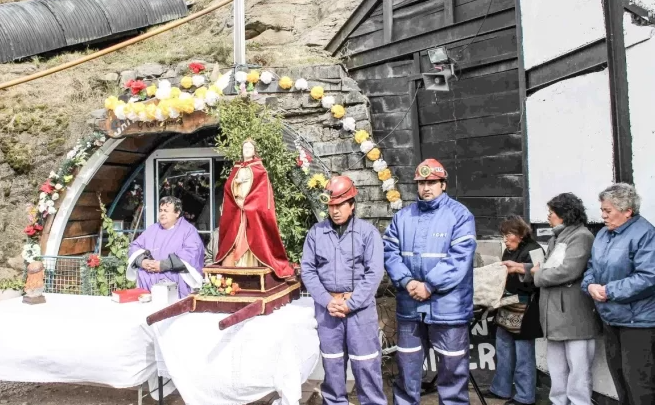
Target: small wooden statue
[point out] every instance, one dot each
(34, 284)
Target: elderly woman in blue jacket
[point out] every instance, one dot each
(621, 280)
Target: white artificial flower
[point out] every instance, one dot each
(163, 90)
(266, 77)
(53, 175)
(388, 184)
(301, 84)
(51, 210)
(132, 116)
(173, 113)
(305, 164)
(185, 96)
(30, 252)
(198, 80)
(71, 154)
(349, 124)
(42, 196)
(119, 111)
(366, 146)
(159, 115)
(379, 165)
(133, 99)
(305, 170)
(55, 196)
(397, 205)
(143, 117)
(58, 186)
(198, 104)
(241, 77)
(327, 102)
(211, 98)
(42, 207)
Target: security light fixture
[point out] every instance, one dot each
(438, 55)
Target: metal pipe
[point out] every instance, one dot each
(114, 48)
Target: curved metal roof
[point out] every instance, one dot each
(32, 27)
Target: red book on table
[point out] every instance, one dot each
(131, 295)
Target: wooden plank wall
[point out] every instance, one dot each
(475, 128)
(83, 227)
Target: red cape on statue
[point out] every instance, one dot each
(262, 231)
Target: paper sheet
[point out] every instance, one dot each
(537, 257)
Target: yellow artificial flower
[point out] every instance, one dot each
(228, 282)
(138, 108)
(317, 92)
(186, 105)
(68, 179)
(374, 154)
(361, 136)
(201, 92)
(111, 102)
(384, 175)
(317, 180)
(253, 77)
(216, 89)
(186, 82)
(175, 92)
(285, 82)
(164, 107)
(151, 109)
(151, 90)
(129, 108)
(338, 111)
(393, 195)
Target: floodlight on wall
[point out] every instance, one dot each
(438, 55)
(438, 81)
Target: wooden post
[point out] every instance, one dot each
(387, 20)
(618, 81)
(524, 125)
(239, 32)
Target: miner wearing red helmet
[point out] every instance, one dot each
(342, 266)
(428, 251)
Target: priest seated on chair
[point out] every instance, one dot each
(169, 250)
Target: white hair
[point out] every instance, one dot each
(623, 196)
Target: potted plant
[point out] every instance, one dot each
(11, 288)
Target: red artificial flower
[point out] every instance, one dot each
(32, 230)
(196, 67)
(136, 86)
(47, 187)
(93, 261)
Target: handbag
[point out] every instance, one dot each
(510, 317)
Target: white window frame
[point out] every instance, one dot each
(151, 174)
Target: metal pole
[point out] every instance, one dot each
(239, 32)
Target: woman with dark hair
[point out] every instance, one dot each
(518, 324)
(568, 318)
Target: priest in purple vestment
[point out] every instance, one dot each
(169, 250)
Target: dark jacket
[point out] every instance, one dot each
(530, 327)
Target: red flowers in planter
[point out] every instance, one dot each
(93, 261)
(136, 86)
(32, 230)
(196, 67)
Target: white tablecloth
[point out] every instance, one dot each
(77, 339)
(244, 363)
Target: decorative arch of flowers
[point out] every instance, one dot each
(163, 101)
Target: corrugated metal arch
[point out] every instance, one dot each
(32, 27)
(28, 28)
(81, 20)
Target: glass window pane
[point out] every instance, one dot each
(188, 180)
(128, 213)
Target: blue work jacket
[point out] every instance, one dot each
(623, 260)
(433, 242)
(350, 263)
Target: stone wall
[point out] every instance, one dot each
(331, 143)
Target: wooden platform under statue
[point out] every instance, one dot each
(259, 292)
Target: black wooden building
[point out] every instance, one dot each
(474, 129)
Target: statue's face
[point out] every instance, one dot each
(248, 151)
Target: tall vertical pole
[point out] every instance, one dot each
(618, 83)
(239, 32)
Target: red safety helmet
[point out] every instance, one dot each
(430, 169)
(338, 190)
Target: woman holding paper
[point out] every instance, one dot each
(518, 324)
(568, 318)
(621, 279)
